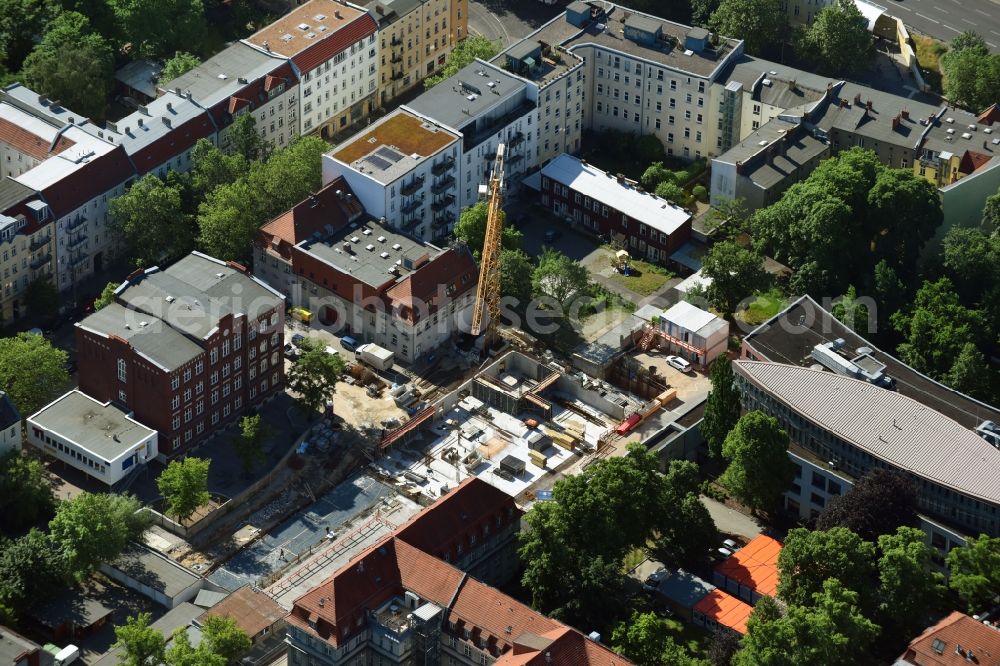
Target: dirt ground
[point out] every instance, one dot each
(686, 384)
(357, 408)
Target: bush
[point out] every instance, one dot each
(700, 193)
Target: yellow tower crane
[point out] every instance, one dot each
(486, 314)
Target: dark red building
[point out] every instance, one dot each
(187, 349)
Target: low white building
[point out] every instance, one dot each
(693, 333)
(99, 439)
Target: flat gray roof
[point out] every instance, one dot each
(218, 77)
(154, 570)
(462, 98)
(393, 9)
(748, 69)
(192, 294)
(104, 430)
(156, 340)
(368, 265)
(683, 588)
(959, 131)
(12, 192)
(140, 75)
(607, 33)
(14, 646)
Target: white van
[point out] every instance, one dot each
(67, 655)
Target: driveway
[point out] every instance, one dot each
(730, 521)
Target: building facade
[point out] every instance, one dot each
(185, 349)
(334, 49)
(10, 425)
(692, 333)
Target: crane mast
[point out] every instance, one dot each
(486, 313)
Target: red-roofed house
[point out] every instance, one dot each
(333, 47)
(956, 640)
(396, 603)
(752, 571)
(362, 278)
(721, 610)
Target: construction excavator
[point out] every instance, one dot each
(486, 312)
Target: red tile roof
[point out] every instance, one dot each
(755, 565)
(990, 115)
(254, 94)
(454, 270)
(179, 140)
(568, 647)
(971, 161)
(252, 611)
(310, 216)
(92, 179)
(958, 640)
(29, 143)
(463, 511)
(725, 609)
(341, 40)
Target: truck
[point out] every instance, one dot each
(375, 356)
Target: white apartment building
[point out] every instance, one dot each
(404, 169)
(10, 425)
(486, 106)
(99, 439)
(334, 49)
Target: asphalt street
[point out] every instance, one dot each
(946, 19)
(508, 21)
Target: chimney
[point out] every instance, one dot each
(170, 106)
(267, 47)
(895, 122)
(868, 105)
(791, 85)
(844, 103)
(857, 98)
(166, 121)
(930, 119)
(337, 13)
(739, 168)
(242, 79)
(905, 114)
(140, 122)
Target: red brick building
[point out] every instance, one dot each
(186, 349)
(650, 227)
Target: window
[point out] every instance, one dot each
(176, 422)
(237, 341)
(225, 347)
(199, 367)
(214, 356)
(175, 382)
(187, 395)
(175, 402)
(187, 415)
(122, 373)
(122, 396)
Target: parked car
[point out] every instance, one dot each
(297, 338)
(679, 363)
(653, 580)
(291, 353)
(731, 545)
(349, 343)
(722, 553)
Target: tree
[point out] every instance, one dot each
(32, 371)
(155, 28)
(970, 373)
(735, 271)
(246, 140)
(655, 174)
(908, 586)
(686, 530)
(559, 277)
(889, 290)
(971, 258)
(730, 212)
(225, 638)
(761, 24)
(107, 296)
(152, 219)
(646, 640)
(971, 72)
(249, 444)
(471, 228)
(25, 492)
(811, 558)
(515, 275)
(30, 571)
(937, 328)
(184, 486)
(42, 297)
(879, 503)
(314, 375)
(906, 212)
(464, 53)
(830, 630)
(838, 40)
(180, 652)
(670, 191)
(852, 313)
(974, 572)
(212, 168)
(990, 221)
(142, 644)
(182, 63)
(73, 65)
(21, 23)
(701, 12)
(93, 528)
(722, 649)
(722, 408)
(759, 470)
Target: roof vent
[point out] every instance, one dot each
(170, 299)
(143, 324)
(966, 135)
(767, 82)
(354, 239)
(286, 37)
(397, 246)
(367, 232)
(972, 128)
(369, 247)
(384, 255)
(320, 17)
(949, 120)
(219, 275)
(381, 239)
(223, 77)
(303, 26)
(950, 131)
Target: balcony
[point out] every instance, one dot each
(447, 164)
(442, 204)
(38, 262)
(78, 259)
(412, 187)
(516, 140)
(396, 41)
(39, 243)
(396, 76)
(396, 58)
(411, 223)
(76, 241)
(443, 185)
(412, 206)
(76, 223)
(443, 220)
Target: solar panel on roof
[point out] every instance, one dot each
(389, 154)
(378, 162)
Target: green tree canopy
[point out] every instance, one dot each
(246, 139)
(212, 168)
(184, 486)
(141, 644)
(670, 191)
(971, 72)
(759, 470)
(42, 297)
(30, 571)
(249, 444)
(722, 408)
(646, 640)
(471, 228)
(464, 53)
(181, 653)
(151, 217)
(21, 23)
(515, 275)
(32, 371)
(107, 296)
(811, 558)
(155, 28)
(735, 271)
(25, 492)
(990, 222)
(314, 375)
(224, 637)
(974, 572)
(182, 63)
(880, 502)
(838, 40)
(853, 313)
(93, 528)
(72, 64)
(831, 629)
(655, 174)
(559, 277)
(761, 24)
(908, 585)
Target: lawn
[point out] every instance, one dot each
(765, 306)
(644, 278)
(929, 52)
(695, 639)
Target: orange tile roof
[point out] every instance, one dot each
(959, 640)
(755, 565)
(725, 609)
(253, 611)
(312, 215)
(990, 115)
(453, 269)
(972, 160)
